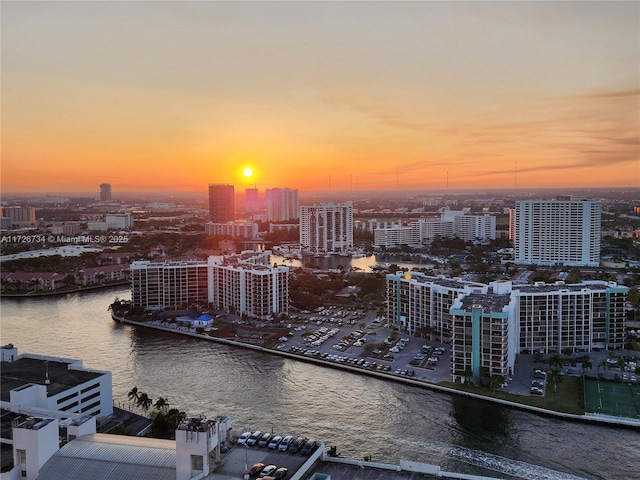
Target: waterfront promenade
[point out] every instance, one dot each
(421, 381)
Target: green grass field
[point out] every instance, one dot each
(609, 398)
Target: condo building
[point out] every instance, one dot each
(247, 230)
(242, 284)
(282, 204)
(18, 215)
(451, 223)
(327, 228)
(480, 336)
(373, 223)
(169, 284)
(105, 192)
(251, 200)
(221, 203)
(248, 289)
(557, 232)
(394, 236)
(488, 325)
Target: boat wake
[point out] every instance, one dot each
(496, 463)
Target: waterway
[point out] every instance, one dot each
(361, 416)
(363, 264)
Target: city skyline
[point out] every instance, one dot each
(151, 96)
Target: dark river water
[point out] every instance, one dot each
(361, 416)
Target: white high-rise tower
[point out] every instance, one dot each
(327, 228)
(557, 232)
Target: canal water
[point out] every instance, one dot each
(361, 416)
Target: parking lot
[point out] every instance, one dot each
(342, 337)
(241, 457)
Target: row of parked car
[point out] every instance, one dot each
(539, 381)
(282, 443)
(268, 472)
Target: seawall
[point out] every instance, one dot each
(587, 418)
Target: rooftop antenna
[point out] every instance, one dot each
(46, 374)
(447, 180)
(515, 175)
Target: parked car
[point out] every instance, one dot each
(308, 447)
(268, 470)
(253, 438)
(275, 441)
(286, 443)
(537, 391)
(281, 473)
(244, 436)
(297, 445)
(256, 469)
(264, 439)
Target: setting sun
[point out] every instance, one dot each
(247, 172)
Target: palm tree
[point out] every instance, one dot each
(133, 394)
(586, 364)
(554, 376)
(603, 364)
(621, 364)
(161, 404)
(144, 401)
(555, 361)
(468, 375)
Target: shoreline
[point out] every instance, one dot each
(586, 418)
(48, 293)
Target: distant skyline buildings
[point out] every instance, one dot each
(221, 203)
(105, 192)
(251, 200)
(282, 204)
(327, 228)
(557, 232)
(19, 215)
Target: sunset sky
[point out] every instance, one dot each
(172, 96)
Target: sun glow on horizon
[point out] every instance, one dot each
(247, 172)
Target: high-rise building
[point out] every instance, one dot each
(221, 203)
(251, 200)
(557, 232)
(488, 325)
(19, 215)
(105, 192)
(327, 228)
(171, 284)
(282, 204)
(243, 284)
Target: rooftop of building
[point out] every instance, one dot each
(488, 302)
(445, 282)
(554, 287)
(103, 456)
(31, 370)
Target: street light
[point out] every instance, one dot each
(246, 461)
